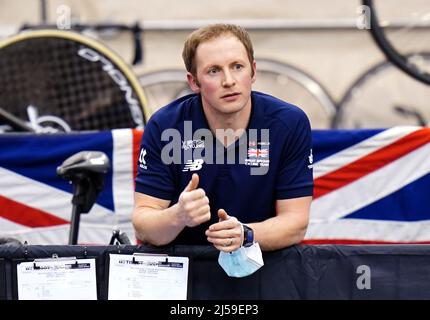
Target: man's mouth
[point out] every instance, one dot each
(230, 95)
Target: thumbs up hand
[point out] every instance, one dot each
(193, 204)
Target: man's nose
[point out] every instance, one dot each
(228, 80)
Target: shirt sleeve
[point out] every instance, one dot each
(153, 178)
(295, 176)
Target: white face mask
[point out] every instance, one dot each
(242, 262)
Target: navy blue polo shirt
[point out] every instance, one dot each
(272, 161)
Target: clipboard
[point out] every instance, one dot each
(147, 276)
(56, 278)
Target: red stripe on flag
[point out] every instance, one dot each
(137, 138)
(27, 216)
(373, 161)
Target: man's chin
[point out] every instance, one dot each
(230, 110)
(232, 107)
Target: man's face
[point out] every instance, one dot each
(223, 75)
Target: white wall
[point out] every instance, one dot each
(335, 57)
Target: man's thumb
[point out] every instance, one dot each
(222, 215)
(194, 182)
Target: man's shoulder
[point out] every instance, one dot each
(174, 113)
(287, 113)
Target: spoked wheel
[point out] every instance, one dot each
(63, 81)
(383, 97)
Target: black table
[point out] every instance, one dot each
(298, 272)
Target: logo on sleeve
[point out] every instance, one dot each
(142, 162)
(311, 160)
(193, 165)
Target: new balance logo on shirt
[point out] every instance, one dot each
(193, 165)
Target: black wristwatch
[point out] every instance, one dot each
(248, 236)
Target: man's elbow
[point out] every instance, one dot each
(145, 238)
(138, 233)
(300, 230)
(139, 228)
(301, 235)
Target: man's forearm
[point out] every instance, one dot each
(156, 226)
(279, 232)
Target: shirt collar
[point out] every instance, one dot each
(199, 121)
(256, 120)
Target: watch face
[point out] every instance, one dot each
(249, 237)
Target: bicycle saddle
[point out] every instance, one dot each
(89, 161)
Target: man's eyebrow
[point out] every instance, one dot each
(218, 66)
(211, 66)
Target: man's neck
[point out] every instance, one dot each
(228, 127)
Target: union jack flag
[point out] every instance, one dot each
(371, 186)
(35, 204)
(258, 153)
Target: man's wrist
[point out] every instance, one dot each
(248, 236)
(175, 216)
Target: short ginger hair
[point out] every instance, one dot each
(210, 32)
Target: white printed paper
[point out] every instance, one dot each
(73, 279)
(147, 277)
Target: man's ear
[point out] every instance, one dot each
(193, 83)
(254, 73)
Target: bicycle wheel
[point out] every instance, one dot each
(402, 34)
(385, 97)
(164, 86)
(67, 81)
(295, 86)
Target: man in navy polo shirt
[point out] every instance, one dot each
(225, 165)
